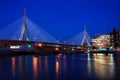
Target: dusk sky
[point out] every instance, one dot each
(64, 19)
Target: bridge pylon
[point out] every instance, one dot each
(85, 37)
(24, 29)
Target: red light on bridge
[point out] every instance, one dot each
(40, 45)
(56, 48)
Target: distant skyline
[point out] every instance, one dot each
(64, 19)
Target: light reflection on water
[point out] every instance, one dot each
(13, 66)
(60, 67)
(57, 68)
(103, 66)
(35, 66)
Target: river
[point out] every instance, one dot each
(60, 67)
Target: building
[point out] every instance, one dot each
(101, 41)
(115, 38)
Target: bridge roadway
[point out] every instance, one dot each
(39, 47)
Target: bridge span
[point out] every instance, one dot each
(30, 38)
(11, 46)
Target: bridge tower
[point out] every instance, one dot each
(85, 37)
(24, 28)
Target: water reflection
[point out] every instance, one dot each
(61, 67)
(35, 66)
(65, 63)
(46, 64)
(57, 67)
(89, 64)
(112, 59)
(13, 66)
(21, 67)
(102, 65)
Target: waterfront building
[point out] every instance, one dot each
(115, 38)
(101, 41)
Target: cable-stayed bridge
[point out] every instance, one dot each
(80, 39)
(24, 32)
(17, 31)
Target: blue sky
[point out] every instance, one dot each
(64, 19)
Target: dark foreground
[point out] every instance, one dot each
(60, 67)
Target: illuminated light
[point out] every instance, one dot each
(57, 67)
(111, 47)
(35, 66)
(64, 48)
(73, 49)
(29, 46)
(88, 50)
(57, 45)
(40, 44)
(78, 47)
(118, 48)
(14, 47)
(88, 56)
(102, 49)
(56, 48)
(101, 54)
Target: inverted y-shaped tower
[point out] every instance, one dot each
(24, 28)
(85, 37)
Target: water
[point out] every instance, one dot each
(60, 67)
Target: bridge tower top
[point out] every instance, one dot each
(85, 37)
(24, 28)
(24, 15)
